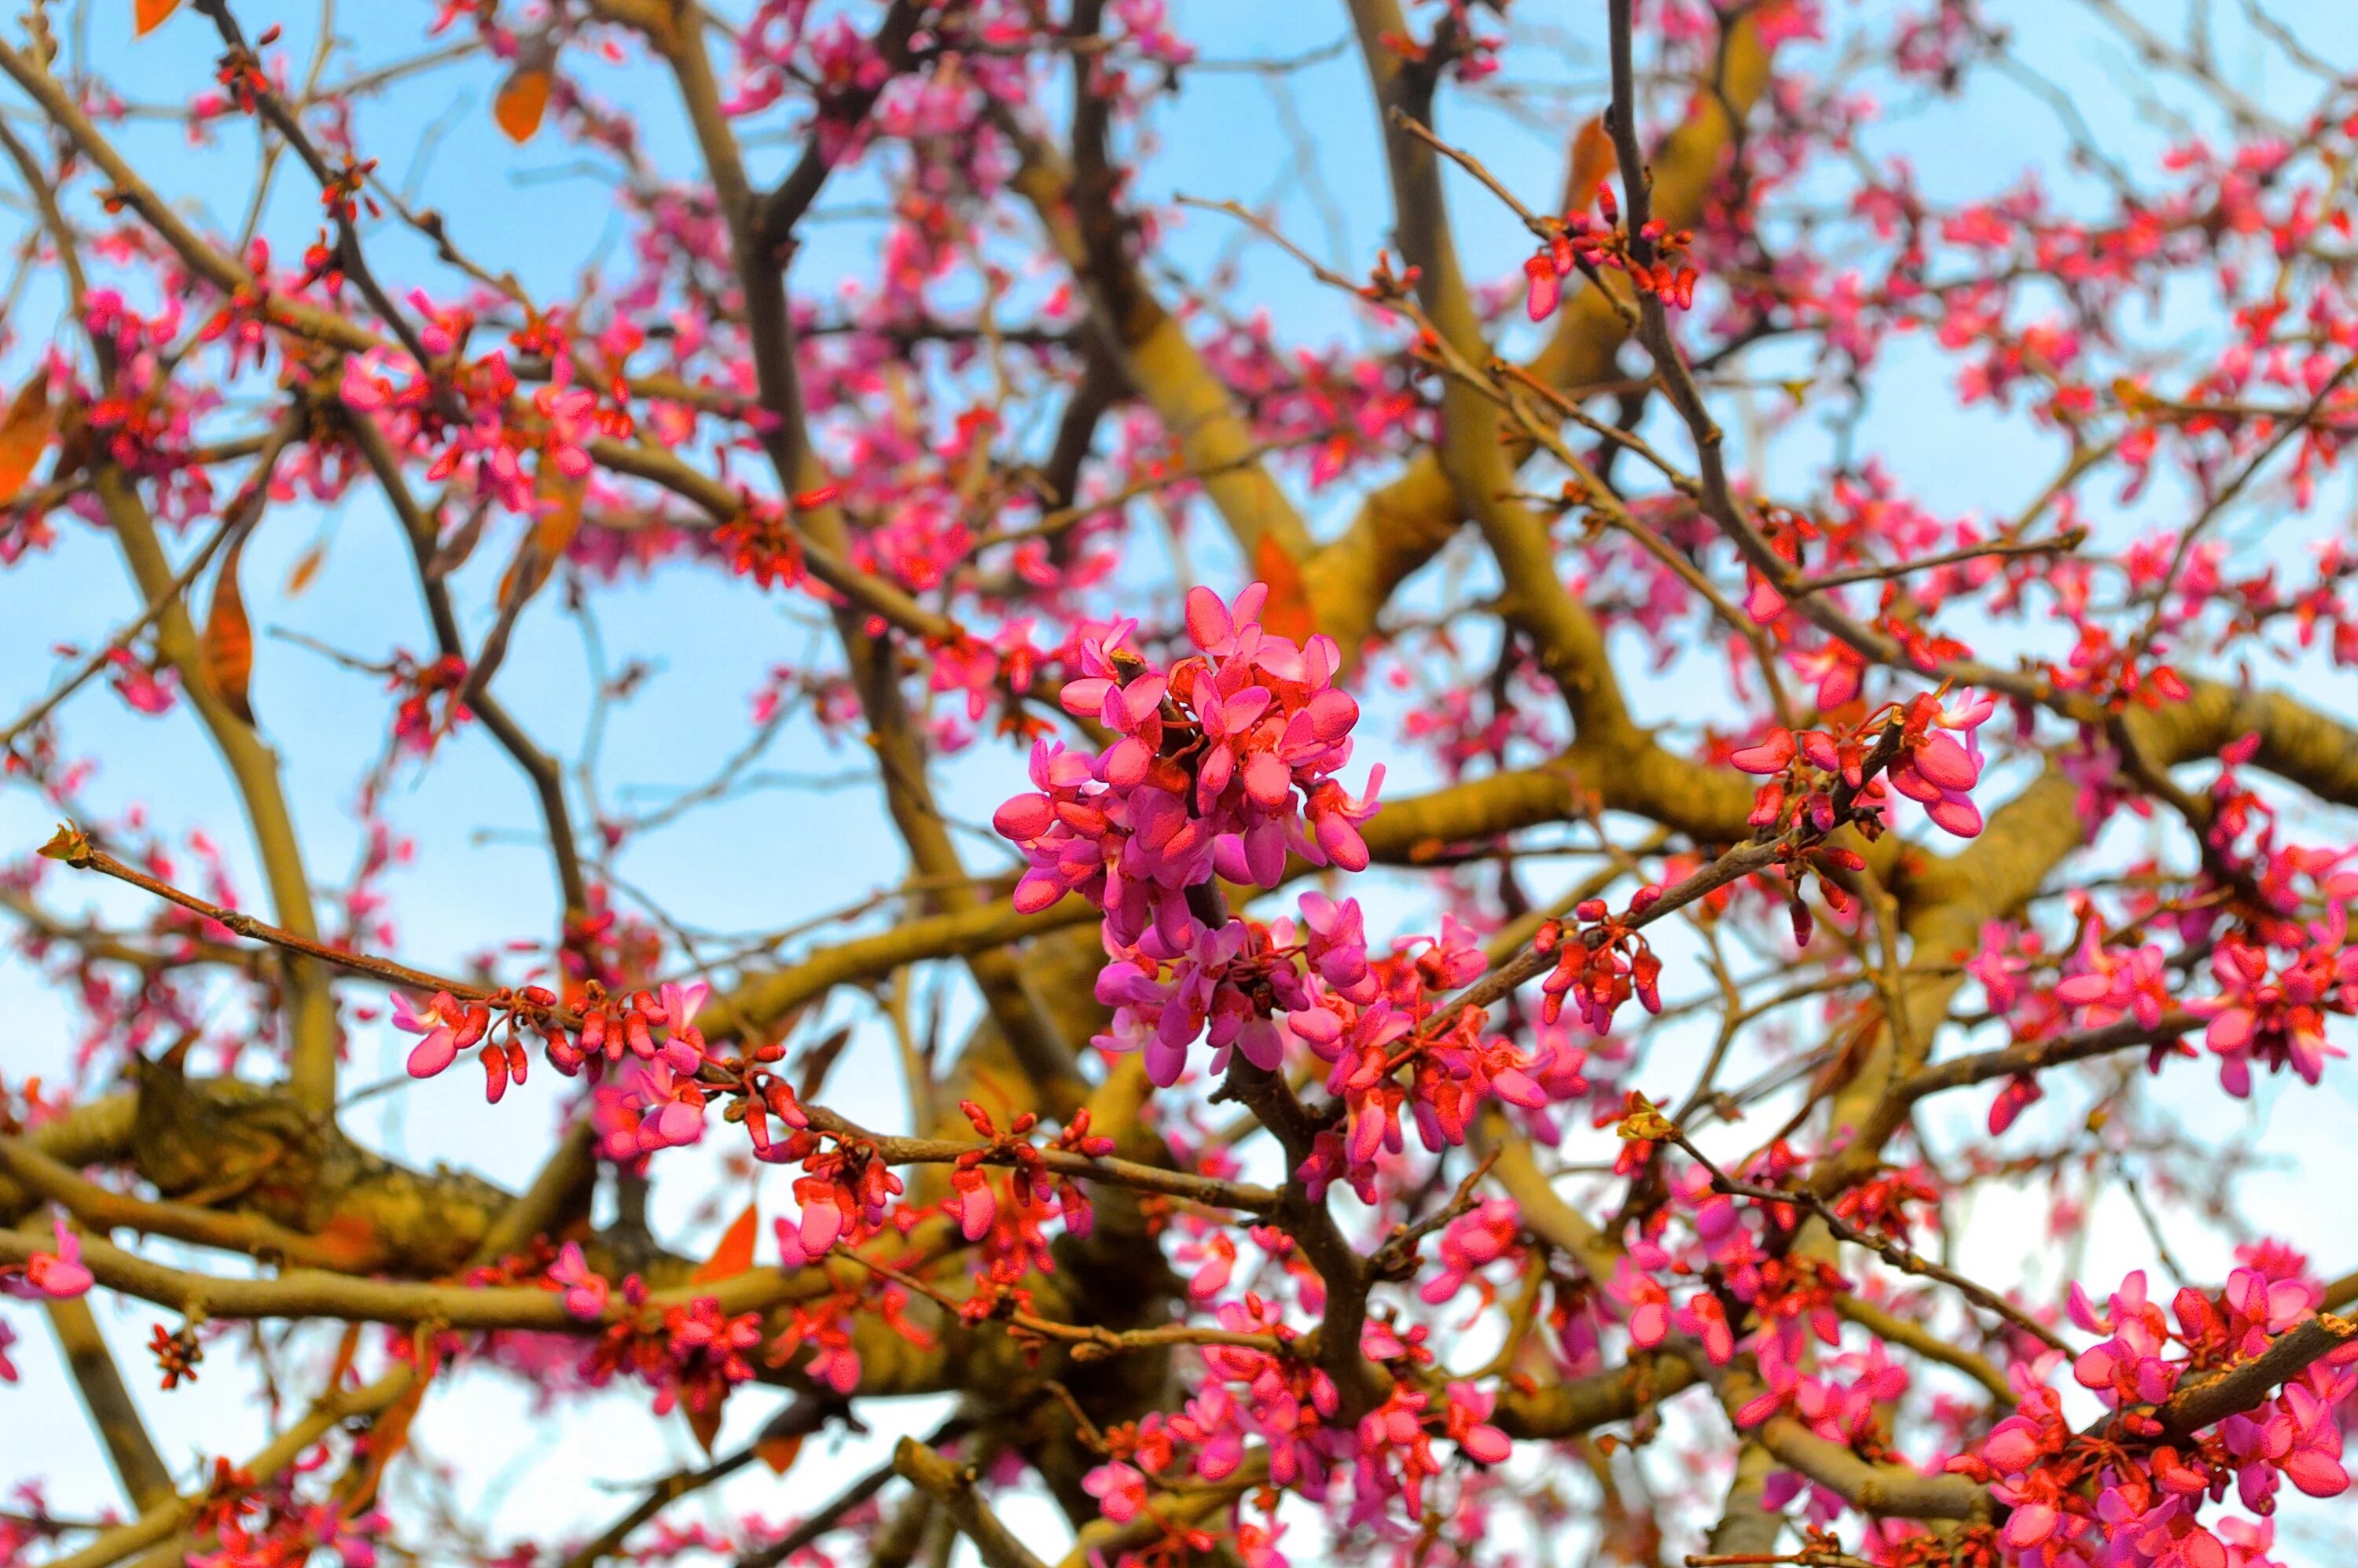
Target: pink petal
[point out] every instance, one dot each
(1486, 1444)
(1208, 625)
(433, 1053)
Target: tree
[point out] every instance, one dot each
(1600, 1138)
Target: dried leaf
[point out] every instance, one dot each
(524, 96)
(559, 502)
(353, 1242)
(24, 434)
(387, 1437)
(1288, 612)
(452, 552)
(559, 520)
(523, 99)
(818, 1059)
(228, 645)
(735, 1253)
(306, 566)
(346, 1348)
(1592, 162)
(705, 1422)
(146, 15)
(778, 1453)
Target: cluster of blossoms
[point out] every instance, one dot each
(471, 417)
(691, 1354)
(2271, 1012)
(643, 1049)
(1720, 1270)
(2267, 921)
(1607, 962)
(1579, 243)
(1223, 765)
(447, 1026)
(1927, 764)
(1289, 1407)
(1034, 1194)
(421, 684)
(272, 1526)
(2130, 1494)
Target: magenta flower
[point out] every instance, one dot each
(585, 1293)
(59, 1275)
(448, 1028)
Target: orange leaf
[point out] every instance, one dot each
(735, 1253)
(523, 98)
(1288, 612)
(705, 1422)
(306, 566)
(560, 519)
(146, 15)
(818, 1059)
(24, 434)
(229, 638)
(345, 1351)
(452, 552)
(557, 519)
(1592, 160)
(352, 1240)
(778, 1453)
(387, 1437)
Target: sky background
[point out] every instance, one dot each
(775, 856)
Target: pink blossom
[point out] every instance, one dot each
(59, 1275)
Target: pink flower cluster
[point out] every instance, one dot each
(692, 1355)
(447, 1027)
(648, 1094)
(1930, 767)
(1222, 766)
(1707, 1248)
(2131, 1496)
(2279, 981)
(652, 1098)
(2274, 1016)
(1290, 1407)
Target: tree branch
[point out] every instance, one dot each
(953, 1488)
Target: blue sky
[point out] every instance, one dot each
(775, 856)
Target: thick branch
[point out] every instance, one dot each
(254, 767)
(112, 1409)
(2237, 1389)
(1893, 1490)
(900, 751)
(953, 1487)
